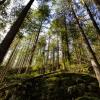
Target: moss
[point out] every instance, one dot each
(58, 86)
(87, 98)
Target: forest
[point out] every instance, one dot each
(49, 49)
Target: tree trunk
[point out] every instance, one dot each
(64, 58)
(53, 59)
(92, 19)
(7, 67)
(4, 46)
(34, 45)
(97, 67)
(58, 67)
(67, 41)
(48, 51)
(23, 61)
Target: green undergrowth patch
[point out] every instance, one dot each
(56, 86)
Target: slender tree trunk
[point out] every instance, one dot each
(64, 59)
(58, 67)
(4, 46)
(97, 67)
(13, 58)
(48, 51)
(53, 59)
(44, 61)
(13, 52)
(67, 42)
(34, 46)
(7, 67)
(19, 58)
(23, 61)
(92, 19)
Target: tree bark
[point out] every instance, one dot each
(67, 41)
(7, 67)
(48, 51)
(64, 57)
(23, 61)
(34, 45)
(58, 67)
(4, 46)
(53, 59)
(97, 67)
(92, 19)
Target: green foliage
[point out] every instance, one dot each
(60, 86)
(78, 68)
(43, 12)
(63, 86)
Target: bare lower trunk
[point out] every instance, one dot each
(58, 67)
(48, 52)
(96, 70)
(53, 59)
(67, 42)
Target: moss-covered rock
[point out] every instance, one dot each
(59, 86)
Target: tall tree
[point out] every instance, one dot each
(97, 67)
(42, 14)
(92, 19)
(4, 46)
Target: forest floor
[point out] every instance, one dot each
(58, 86)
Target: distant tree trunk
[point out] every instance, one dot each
(34, 46)
(67, 41)
(44, 59)
(4, 46)
(92, 19)
(48, 51)
(53, 59)
(97, 71)
(58, 67)
(23, 61)
(7, 67)
(64, 48)
(13, 52)
(19, 58)
(13, 58)
(2, 2)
